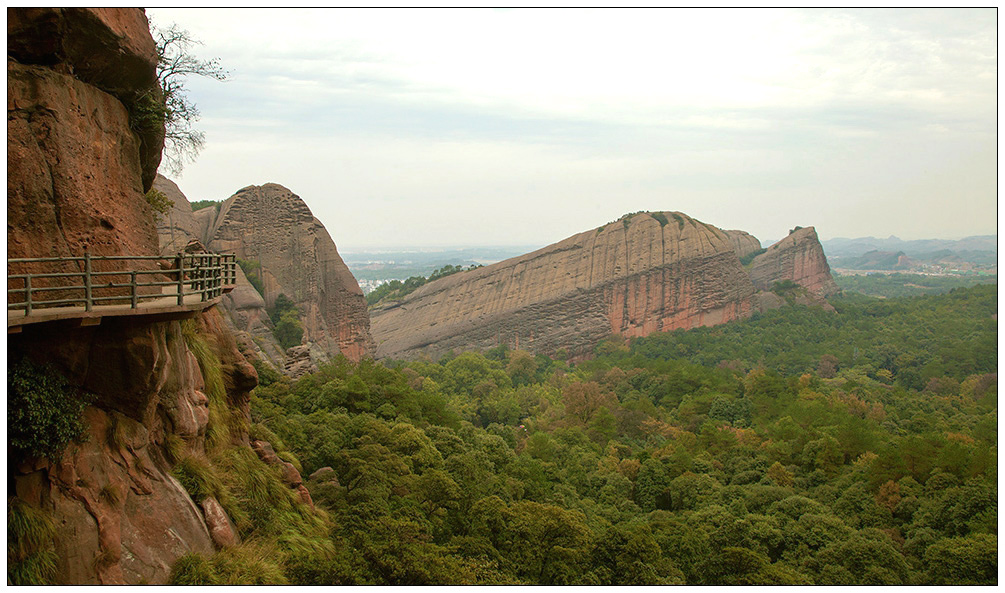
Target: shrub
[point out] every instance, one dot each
(200, 204)
(43, 411)
(160, 203)
(252, 270)
(289, 332)
(266, 374)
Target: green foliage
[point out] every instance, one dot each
(31, 554)
(222, 421)
(749, 258)
(200, 204)
(903, 285)
(652, 463)
(661, 218)
(396, 289)
(160, 203)
(253, 271)
(43, 411)
(198, 478)
(289, 332)
(285, 315)
(193, 569)
(266, 374)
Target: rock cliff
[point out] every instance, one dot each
(271, 225)
(77, 172)
(246, 313)
(638, 275)
(743, 243)
(799, 257)
(644, 273)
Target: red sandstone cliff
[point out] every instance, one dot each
(635, 276)
(798, 257)
(272, 225)
(246, 314)
(77, 172)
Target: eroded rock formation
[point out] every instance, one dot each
(77, 172)
(635, 276)
(798, 257)
(271, 225)
(642, 274)
(245, 307)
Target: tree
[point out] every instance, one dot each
(175, 62)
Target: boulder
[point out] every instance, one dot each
(221, 528)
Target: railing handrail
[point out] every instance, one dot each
(204, 274)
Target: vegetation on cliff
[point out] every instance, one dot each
(868, 456)
(396, 289)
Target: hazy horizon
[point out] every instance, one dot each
(433, 127)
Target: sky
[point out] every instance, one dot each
(431, 128)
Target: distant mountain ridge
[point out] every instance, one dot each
(843, 246)
(976, 253)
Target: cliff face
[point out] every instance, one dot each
(743, 243)
(798, 257)
(271, 225)
(246, 314)
(77, 172)
(121, 517)
(631, 277)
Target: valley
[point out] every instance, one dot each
(657, 400)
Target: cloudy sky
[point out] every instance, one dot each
(522, 127)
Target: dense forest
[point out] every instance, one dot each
(799, 447)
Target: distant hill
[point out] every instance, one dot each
(842, 246)
(977, 253)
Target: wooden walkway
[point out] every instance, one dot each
(189, 284)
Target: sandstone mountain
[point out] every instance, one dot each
(246, 315)
(644, 273)
(273, 227)
(799, 258)
(638, 275)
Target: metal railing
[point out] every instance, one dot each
(206, 274)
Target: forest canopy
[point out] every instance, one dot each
(798, 447)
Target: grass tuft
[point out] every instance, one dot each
(31, 553)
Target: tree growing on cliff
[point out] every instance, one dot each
(175, 63)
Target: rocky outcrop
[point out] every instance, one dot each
(77, 170)
(799, 258)
(270, 225)
(121, 516)
(178, 226)
(743, 243)
(638, 275)
(109, 50)
(245, 307)
(644, 273)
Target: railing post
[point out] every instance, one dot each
(132, 286)
(180, 260)
(27, 295)
(201, 275)
(87, 279)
